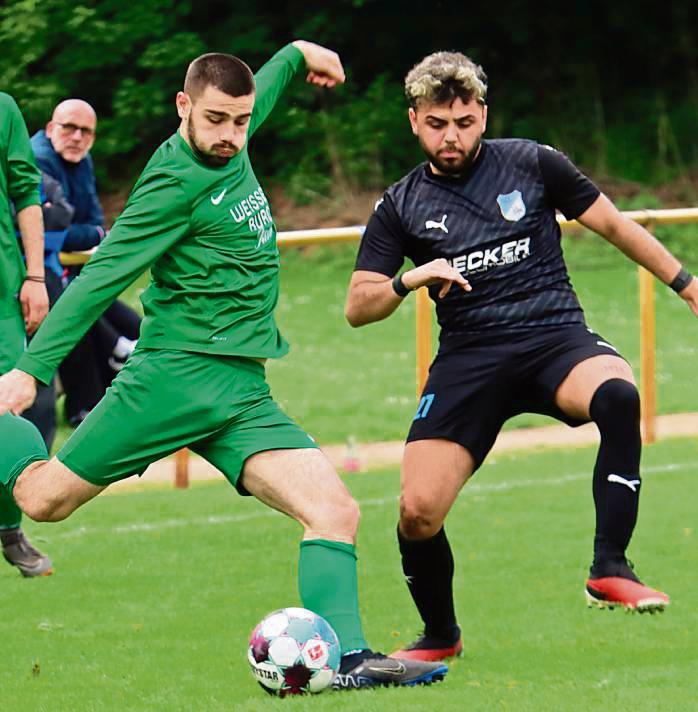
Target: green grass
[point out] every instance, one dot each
(155, 593)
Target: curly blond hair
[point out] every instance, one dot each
(444, 76)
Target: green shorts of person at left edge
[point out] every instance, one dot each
(218, 406)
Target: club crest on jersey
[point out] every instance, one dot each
(511, 205)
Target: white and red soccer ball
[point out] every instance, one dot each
(293, 651)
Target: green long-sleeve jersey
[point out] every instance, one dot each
(209, 238)
(19, 183)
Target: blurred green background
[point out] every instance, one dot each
(615, 85)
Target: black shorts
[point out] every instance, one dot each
(471, 391)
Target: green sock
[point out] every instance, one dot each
(20, 445)
(328, 586)
(10, 513)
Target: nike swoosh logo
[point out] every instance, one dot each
(399, 669)
(218, 198)
(603, 343)
(632, 484)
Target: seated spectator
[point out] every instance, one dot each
(62, 154)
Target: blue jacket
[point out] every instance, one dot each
(58, 214)
(80, 190)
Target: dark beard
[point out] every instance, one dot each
(453, 168)
(210, 159)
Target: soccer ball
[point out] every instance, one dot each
(293, 651)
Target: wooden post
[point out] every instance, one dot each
(182, 468)
(423, 317)
(648, 388)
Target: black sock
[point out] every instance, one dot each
(615, 408)
(428, 568)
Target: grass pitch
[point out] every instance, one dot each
(155, 593)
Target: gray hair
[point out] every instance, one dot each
(444, 76)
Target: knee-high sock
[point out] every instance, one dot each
(428, 568)
(615, 408)
(20, 445)
(328, 585)
(10, 513)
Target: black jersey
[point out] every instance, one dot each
(496, 225)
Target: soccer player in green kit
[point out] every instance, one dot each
(199, 219)
(23, 298)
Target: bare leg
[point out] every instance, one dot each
(49, 492)
(433, 473)
(304, 485)
(574, 394)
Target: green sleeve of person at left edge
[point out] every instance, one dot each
(155, 218)
(23, 177)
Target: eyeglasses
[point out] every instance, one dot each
(69, 129)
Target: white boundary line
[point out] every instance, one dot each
(475, 488)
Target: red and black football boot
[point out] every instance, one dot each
(431, 648)
(617, 585)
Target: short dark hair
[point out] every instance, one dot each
(225, 72)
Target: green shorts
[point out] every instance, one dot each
(218, 406)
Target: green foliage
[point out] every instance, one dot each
(354, 138)
(618, 108)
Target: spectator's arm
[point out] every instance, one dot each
(85, 235)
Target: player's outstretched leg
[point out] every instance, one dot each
(433, 473)
(46, 491)
(615, 408)
(303, 484)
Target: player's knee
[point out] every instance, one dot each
(42, 508)
(338, 516)
(615, 401)
(346, 516)
(417, 520)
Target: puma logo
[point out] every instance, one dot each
(429, 224)
(632, 484)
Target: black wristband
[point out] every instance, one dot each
(32, 278)
(681, 281)
(399, 288)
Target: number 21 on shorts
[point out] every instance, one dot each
(424, 405)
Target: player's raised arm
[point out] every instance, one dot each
(324, 66)
(324, 69)
(640, 246)
(155, 217)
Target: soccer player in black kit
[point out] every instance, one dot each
(478, 222)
